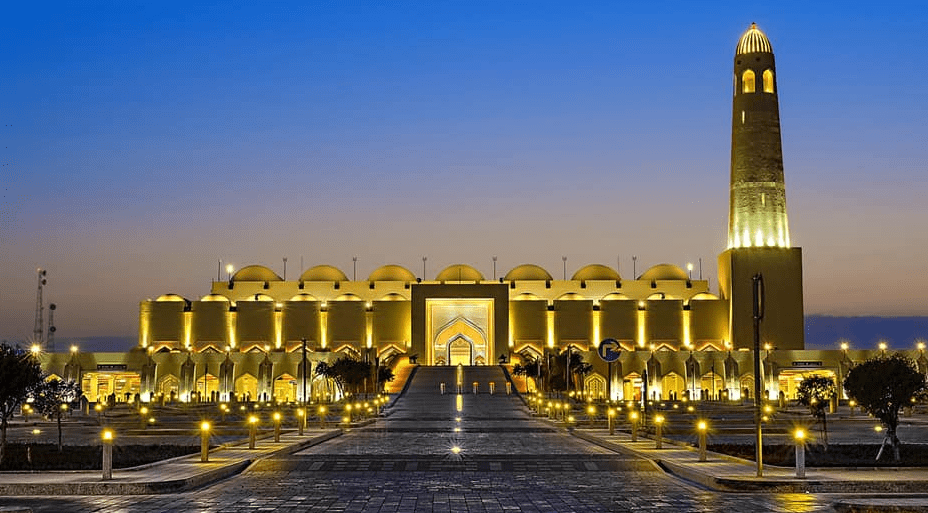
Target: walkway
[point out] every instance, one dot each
(457, 453)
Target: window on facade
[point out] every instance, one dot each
(747, 81)
(768, 81)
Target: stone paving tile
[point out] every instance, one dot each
(406, 466)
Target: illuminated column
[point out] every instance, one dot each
(230, 328)
(687, 328)
(188, 323)
(369, 325)
(757, 216)
(323, 325)
(549, 322)
(597, 338)
(642, 319)
(278, 328)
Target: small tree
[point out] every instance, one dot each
(52, 398)
(384, 376)
(19, 373)
(882, 386)
(816, 392)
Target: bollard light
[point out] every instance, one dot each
(322, 417)
(701, 428)
(277, 427)
(252, 430)
(204, 441)
(633, 416)
(611, 415)
(107, 435)
(301, 419)
(800, 437)
(852, 403)
(658, 431)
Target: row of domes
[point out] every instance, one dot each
(459, 272)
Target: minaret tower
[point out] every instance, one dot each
(757, 216)
(758, 232)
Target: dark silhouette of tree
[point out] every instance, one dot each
(53, 398)
(347, 373)
(816, 392)
(19, 374)
(882, 386)
(534, 369)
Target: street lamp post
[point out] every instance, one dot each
(304, 370)
(758, 304)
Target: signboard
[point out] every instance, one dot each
(807, 364)
(609, 350)
(111, 367)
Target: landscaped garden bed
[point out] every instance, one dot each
(47, 457)
(837, 455)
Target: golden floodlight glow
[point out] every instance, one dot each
(107, 435)
(844, 346)
(459, 402)
(204, 426)
(456, 450)
(277, 416)
(701, 425)
(73, 348)
(799, 434)
(252, 419)
(659, 419)
(36, 349)
(882, 346)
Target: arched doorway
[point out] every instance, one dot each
(594, 387)
(285, 388)
(672, 386)
(246, 387)
(460, 351)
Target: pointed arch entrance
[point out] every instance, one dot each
(460, 331)
(460, 351)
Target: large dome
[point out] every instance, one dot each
(753, 41)
(664, 272)
(527, 272)
(596, 272)
(392, 273)
(459, 272)
(255, 273)
(323, 273)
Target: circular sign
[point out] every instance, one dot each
(609, 350)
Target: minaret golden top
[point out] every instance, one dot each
(753, 41)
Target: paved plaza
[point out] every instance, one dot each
(447, 453)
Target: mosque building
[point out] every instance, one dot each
(250, 335)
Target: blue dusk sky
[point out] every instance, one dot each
(143, 142)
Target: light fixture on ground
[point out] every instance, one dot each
(277, 418)
(800, 437)
(252, 430)
(701, 428)
(204, 441)
(107, 435)
(658, 431)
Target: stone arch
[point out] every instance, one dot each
(463, 327)
(246, 387)
(594, 386)
(460, 350)
(285, 388)
(673, 386)
(169, 387)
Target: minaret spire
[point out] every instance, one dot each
(757, 216)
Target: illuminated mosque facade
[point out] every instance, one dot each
(252, 335)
